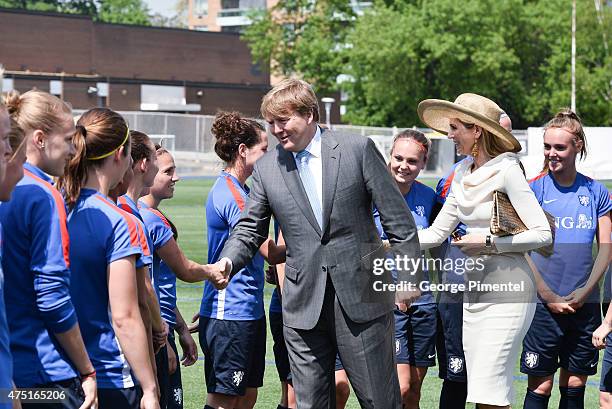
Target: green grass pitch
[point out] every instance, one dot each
(186, 210)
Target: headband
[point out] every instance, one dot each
(127, 135)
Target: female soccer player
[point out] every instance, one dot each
(560, 335)
(162, 233)
(232, 321)
(415, 326)
(46, 342)
(104, 248)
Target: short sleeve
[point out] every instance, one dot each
(604, 204)
(125, 240)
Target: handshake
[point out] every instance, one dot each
(219, 273)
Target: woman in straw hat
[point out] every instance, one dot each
(500, 289)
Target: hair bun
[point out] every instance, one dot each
(12, 100)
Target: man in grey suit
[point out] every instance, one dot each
(321, 189)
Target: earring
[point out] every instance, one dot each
(42, 145)
(475, 149)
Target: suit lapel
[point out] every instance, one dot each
(289, 172)
(330, 157)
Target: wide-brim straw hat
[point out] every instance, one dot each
(468, 108)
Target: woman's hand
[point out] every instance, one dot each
(600, 334)
(577, 297)
(189, 347)
(473, 245)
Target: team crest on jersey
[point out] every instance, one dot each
(455, 364)
(178, 395)
(531, 359)
(397, 347)
(584, 200)
(420, 210)
(237, 377)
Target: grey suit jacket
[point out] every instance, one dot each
(355, 178)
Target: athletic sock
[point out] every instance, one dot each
(572, 398)
(535, 400)
(453, 395)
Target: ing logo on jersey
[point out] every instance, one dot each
(455, 364)
(237, 377)
(531, 359)
(584, 200)
(583, 222)
(420, 210)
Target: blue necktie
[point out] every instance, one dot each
(308, 181)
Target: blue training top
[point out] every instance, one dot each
(577, 210)
(164, 280)
(37, 279)
(421, 200)
(275, 301)
(6, 360)
(243, 297)
(126, 203)
(100, 233)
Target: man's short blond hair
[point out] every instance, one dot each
(288, 97)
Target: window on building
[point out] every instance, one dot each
(230, 4)
(8, 84)
(56, 87)
(103, 90)
(200, 8)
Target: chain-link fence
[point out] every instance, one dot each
(191, 138)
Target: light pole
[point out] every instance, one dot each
(328, 104)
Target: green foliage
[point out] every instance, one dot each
(109, 11)
(517, 52)
(303, 38)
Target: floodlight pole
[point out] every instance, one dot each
(328, 104)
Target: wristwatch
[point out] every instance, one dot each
(488, 242)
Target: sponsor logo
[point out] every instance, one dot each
(237, 377)
(531, 359)
(594, 364)
(584, 200)
(455, 364)
(550, 201)
(583, 222)
(431, 356)
(398, 347)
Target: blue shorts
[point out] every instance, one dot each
(561, 341)
(234, 354)
(605, 385)
(281, 357)
(415, 335)
(449, 341)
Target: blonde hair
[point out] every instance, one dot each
(491, 144)
(570, 121)
(37, 110)
(289, 96)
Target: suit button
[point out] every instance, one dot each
(324, 269)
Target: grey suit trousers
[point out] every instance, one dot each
(366, 351)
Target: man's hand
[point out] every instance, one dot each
(90, 389)
(600, 334)
(577, 297)
(160, 338)
(403, 299)
(149, 400)
(189, 347)
(560, 308)
(195, 323)
(219, 273)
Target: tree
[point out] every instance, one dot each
(304, 38)
(124, 12)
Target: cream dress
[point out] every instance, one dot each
(494, 322)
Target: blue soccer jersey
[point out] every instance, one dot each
(164, 280)
(126, 203)
(100, 234)
(243, 297)
(6, 360)
(421, 200)
(37, 279)
(576, 209)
